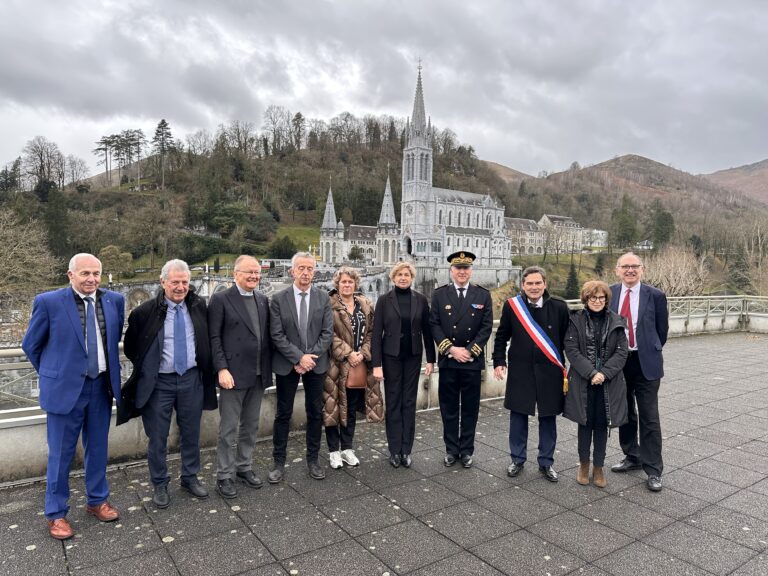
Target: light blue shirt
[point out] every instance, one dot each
(166, 362)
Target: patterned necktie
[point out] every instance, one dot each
(626, 311)
(91, 343)
(303, 319)
(179, 342)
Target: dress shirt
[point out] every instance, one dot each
(102, 356)
(634, 307)
(166, 362)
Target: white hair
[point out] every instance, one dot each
(73, 261)
(175, 265)
(302, 255)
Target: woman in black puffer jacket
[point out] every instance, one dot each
(596, 346)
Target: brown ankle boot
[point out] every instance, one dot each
(598, 477)
(582, 476)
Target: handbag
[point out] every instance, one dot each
(357, 376)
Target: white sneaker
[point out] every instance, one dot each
(349, 458)
(335, 460)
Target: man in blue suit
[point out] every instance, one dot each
(72, 342)
(645, 309)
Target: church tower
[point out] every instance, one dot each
(419, 239)
(387, 232)
(331, 234)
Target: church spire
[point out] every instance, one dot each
(419, 117)
(387, 216)
(329, 218)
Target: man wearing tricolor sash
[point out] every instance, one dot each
(534, 326)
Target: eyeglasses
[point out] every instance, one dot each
(596, 298)
(630, 266)
(249, 272)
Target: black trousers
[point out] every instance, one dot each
(313, 403)
(459, 396)
(401, 385)
(643, 447)
(586, 436)
(342, 437)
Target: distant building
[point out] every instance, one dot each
(593, 238)
(526, 236)
(644, 245)
(434, 222)
(562, 234)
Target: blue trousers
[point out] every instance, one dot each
(184, 394)
(91, 416)
(518, 438)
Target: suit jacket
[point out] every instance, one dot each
(235, 342)
(468, 325)
(143, 346)
(652, 328)
(55, 345)
(284, 329)
(387, 326)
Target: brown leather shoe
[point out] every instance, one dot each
(598, 477)
(582, 474)
(104, 512)
(60, 529)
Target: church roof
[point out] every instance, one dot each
(461, 197)
(355, 232)
(329, 218)
(387, 216)
(521, 224)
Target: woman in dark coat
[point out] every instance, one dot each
(401, 334)
(596, 346)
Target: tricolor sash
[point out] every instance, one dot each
(538, 336)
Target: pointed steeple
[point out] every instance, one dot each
(419, 117)
(329, 218)
(387, 216)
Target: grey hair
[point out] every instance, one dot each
(629, 254)
(239, 260)
(301, 255)
(535, 270)
(175, 265)
(73, 261)
(348, 271)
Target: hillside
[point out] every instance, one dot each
(751, 179)
(507, 174)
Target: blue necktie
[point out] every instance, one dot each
(91, 343)
(179, 342)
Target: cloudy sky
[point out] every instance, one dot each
(530, 84)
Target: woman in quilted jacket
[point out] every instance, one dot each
(350, 357)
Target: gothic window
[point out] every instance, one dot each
(448, 241)
(450, 217)
(477, 221)
(440, 217)
(488, 221)
(477, 244)
(458, 223)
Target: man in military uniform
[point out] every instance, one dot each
(462, 321)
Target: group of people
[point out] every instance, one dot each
(342, 349)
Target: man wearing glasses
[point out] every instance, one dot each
(238, 324)
(645, 309)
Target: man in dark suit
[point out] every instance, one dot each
(462, 322)
(534, 382)
(301, 326)
(167, 341)
(645, 309)
(238, 324)
(72, 342)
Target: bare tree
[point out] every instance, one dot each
(277, 125)
(77, 169)
(40, 159)
(25, 260)
(677, 271)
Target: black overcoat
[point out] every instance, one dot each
(582, 368)
(534, 384)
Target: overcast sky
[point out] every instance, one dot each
(533, 85)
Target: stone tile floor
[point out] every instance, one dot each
(711, 517)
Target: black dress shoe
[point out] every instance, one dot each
(449, 460)
(395, 460)
(226, 488)
(514, 469)
(161, 498)
(277, 473)
(316, 471)
(194, 487)
(654, 483)
(549, 473)
(466, 460)
(626, 465)
(406, 460)
(249, 478)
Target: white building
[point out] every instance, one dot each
(525, 235)
(562, 234)
(593, 238)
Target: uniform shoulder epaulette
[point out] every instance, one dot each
(481, 287)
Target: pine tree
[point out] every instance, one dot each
(162, 143)
(572, 284)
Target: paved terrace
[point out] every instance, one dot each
(711, 517)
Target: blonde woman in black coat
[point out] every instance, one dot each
(596, 346)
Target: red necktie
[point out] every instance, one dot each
(626, 311)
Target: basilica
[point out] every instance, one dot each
(434, 222)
